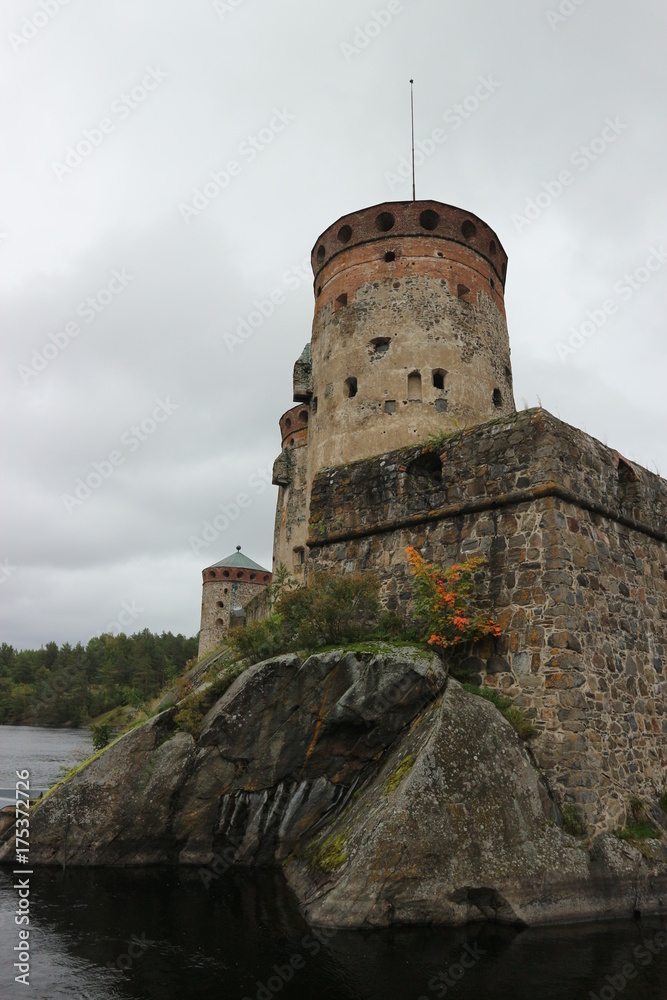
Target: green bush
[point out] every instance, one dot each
(101, 735)
(332, 611)
(524, 726)
(571, 822)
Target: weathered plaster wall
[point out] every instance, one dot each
(409, 304)
(290, 474)
(576, 539)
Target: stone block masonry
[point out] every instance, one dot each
(576, 541)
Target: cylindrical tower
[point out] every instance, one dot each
(290, 474)
(227, 586)
(409, 335)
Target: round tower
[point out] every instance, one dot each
(290, 474)
(409, 335)
(227, 588)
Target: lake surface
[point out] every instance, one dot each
(169, 933)
(42, 751)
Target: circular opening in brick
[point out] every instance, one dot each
(226, 572)
(252, 576)
(239, 575)
(385, 221)
(291, 440)
(321, 252)
(492, 248)
(304, 416)
(219, 621)
(469, 229)
(429, 220)
(212, 574)
(266, 578)
(219, 604)
(288, 423)
(390, 256)
(345, 234)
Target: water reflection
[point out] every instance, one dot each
(160, 933)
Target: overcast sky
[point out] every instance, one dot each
(123, 289)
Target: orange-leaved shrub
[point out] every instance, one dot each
(443, 602)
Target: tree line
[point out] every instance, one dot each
(69, 685)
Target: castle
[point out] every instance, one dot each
(410, 343)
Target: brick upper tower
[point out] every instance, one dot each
(409, 329)
(409, 339)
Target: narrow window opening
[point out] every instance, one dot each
(288, 423)
(462, 291)
(439, 378)
(497, 398)
(321, 252)
(351, 387)
(319, 291)
(299, 556)
(414, 387)
(314, 404)
(492, 248)
(341, 301)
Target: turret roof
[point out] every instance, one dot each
(239, 561)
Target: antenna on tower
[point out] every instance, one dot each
(412, 111)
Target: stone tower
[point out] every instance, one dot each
(227, 588)
(409, 339)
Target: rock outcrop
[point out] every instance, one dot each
(386, 791)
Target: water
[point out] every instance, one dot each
(42, 751)
(145, 934)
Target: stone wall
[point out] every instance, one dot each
(290, 474)
(576, 542)
(219, 596)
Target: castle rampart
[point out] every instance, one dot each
(576, 542)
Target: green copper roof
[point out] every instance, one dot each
(239, 561)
